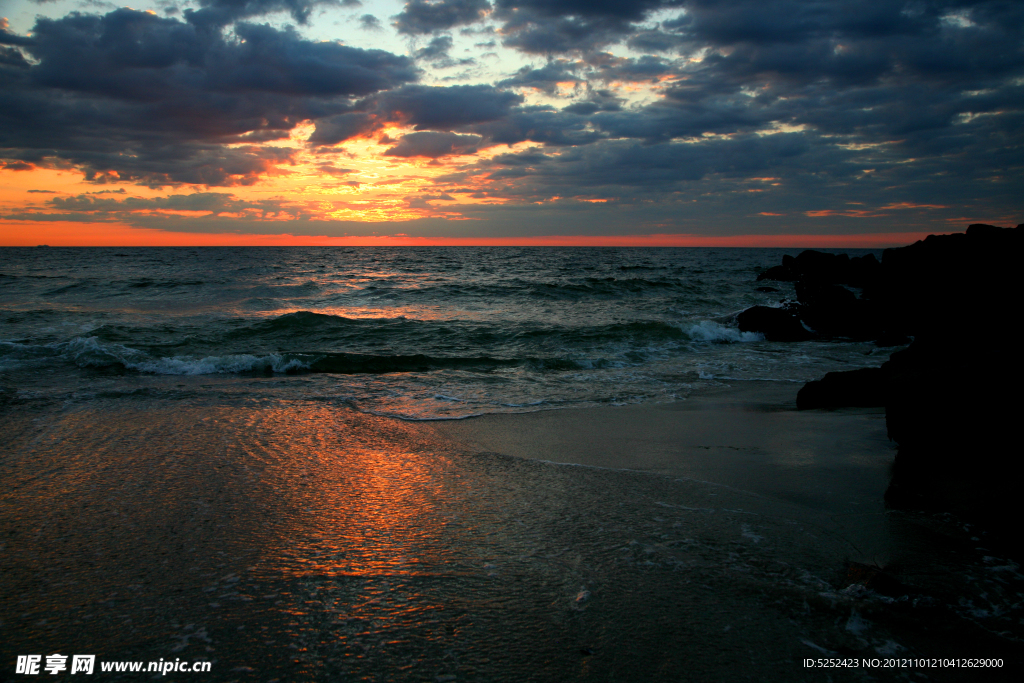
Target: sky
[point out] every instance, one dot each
(795, 123)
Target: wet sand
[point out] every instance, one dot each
(830, 466)
(748, 437)
(723, 538)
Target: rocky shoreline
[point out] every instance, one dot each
(951, 394)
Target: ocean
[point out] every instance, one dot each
(415, 333)
(456, 464)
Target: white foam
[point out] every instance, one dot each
(856, 624)
(212, 365)
(90, 352)
(746, 532)
(709, 331)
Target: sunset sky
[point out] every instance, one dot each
(647, 122)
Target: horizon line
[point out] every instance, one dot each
(121, 236)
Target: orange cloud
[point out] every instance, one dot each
(911, 205)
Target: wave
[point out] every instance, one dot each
(300, 321)
(161, 284)
(91, 352)
(355, 363)
(569, 289)
(709, 331)
(411, 346)
(307, 328)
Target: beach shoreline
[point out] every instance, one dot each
(745, 435)
(307, 541)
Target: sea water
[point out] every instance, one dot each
(416, 333)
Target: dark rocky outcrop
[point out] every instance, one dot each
(818, 266)
(776, 324)
(833, 310)
(951, 396)
(863, 387)
(827, 303)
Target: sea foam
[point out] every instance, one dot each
(708, 331)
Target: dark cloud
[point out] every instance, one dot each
(129, 55)
(10, 56)
(598, 66)
(9, 38)
(447, 108)
(562, 26)
(541, 124)
(370, 23)
(331, 169)
(436, 49)
(433, 145)
(334, 129)
(595, 101)
(218, 13)
(607, 67)
(528, 157)
(623, 10)
(545, 78)
(655, 40)
(212, 202)
(561, 35)
(423, 107)
(629, 171)
(421, 17)
(280, 62)
(134, 96)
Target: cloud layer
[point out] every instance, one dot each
(138, 97)
(796, 106)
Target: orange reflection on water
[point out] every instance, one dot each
(361, 496)
(297, 518)
(381, 313)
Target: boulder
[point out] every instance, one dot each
(779, 273)
(864, 271)
(951, 396)
(820, 266)
(835, 311)
(776, 324)
(864, 387)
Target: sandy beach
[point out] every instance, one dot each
(725, 537)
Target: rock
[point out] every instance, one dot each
(820, 266)
(952, 401)
(780, 273)
(835, 311)
(767, 289)
(886, 339)
(951, 396)
(827, 304)
(863, 387)
(776, 324)
(864, 271)
(924, 286)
